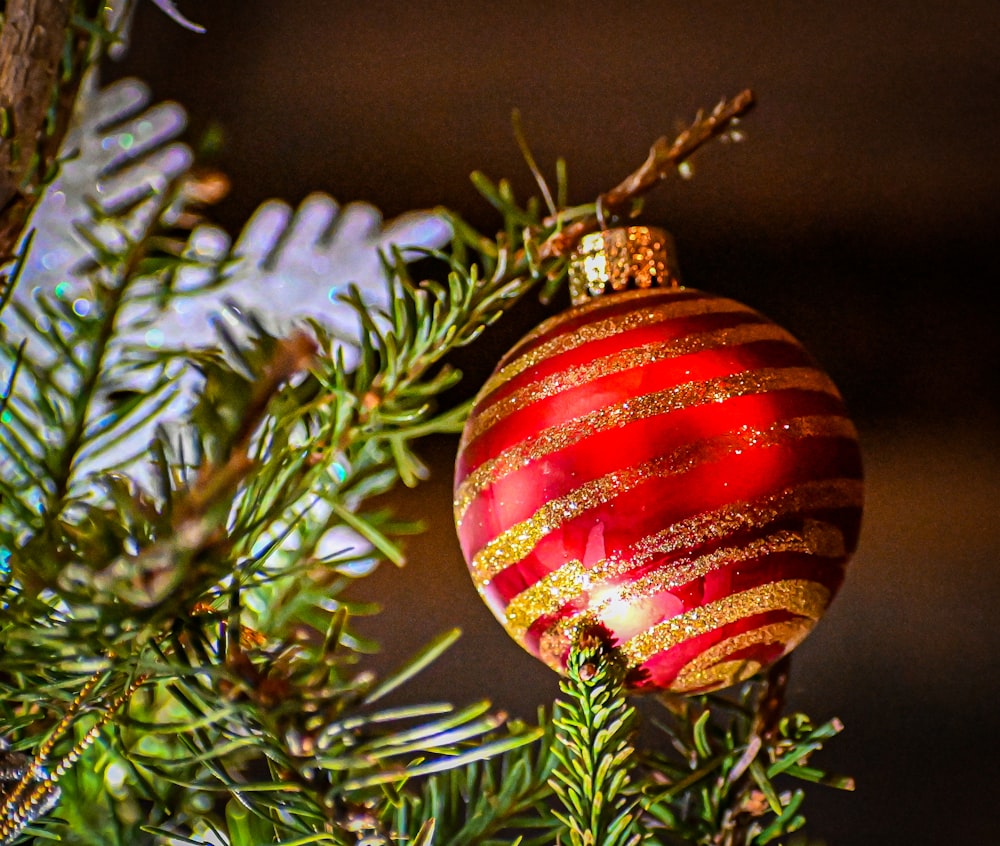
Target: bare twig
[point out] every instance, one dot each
(663, 159)
(772, 700)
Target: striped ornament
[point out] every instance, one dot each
(670, 466)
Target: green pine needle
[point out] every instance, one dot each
(594, 724)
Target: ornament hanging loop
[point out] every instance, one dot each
(620, 259)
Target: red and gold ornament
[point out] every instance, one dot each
(662, 463)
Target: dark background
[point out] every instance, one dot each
(861, 213)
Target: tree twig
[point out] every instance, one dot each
(772, 700)
(664, 157)
(217, 482)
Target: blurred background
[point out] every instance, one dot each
(861, 213)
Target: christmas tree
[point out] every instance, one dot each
(190, 505)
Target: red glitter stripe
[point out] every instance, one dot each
(516, 496)
(727, 580)
(605, 307)
(661, 669)
(843, 518)
(707, 487)
(666, 330)
(599, 393)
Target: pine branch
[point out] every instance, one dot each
(160, 582)
(483, 804)
(721, 788)
(189, 553)
(594, 723)
(54, 417)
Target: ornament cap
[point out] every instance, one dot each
(620, 259)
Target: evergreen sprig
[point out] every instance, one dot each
(488, 803)
(594, 722)
(731, 752)
(279, 722)
(62, 410)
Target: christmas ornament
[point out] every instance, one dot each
(662, 463)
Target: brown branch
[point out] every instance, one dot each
(772, 701)
(217, 483)
(171, 573)
(32, 41)
(663, 159)
(750, 802)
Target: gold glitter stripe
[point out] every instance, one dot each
(552, 592)
(570, 580)
(801, 597)
(711, 669)
(608, 365)
(677, 398)
(606, 328)
(720, 675)
(515, 543)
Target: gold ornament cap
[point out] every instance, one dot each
(621, 259)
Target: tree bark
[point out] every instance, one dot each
(31, 46)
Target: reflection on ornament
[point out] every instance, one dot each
(663, 463)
